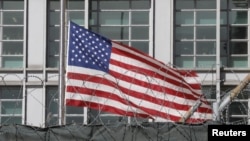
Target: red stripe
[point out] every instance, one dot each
(152, 61)
(106, 108)
(130, 92)
(148, 72)
(113, 109)
(149, 86)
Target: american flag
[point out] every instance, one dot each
(105, 75)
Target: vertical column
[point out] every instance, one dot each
(163, 30)
(36, 43)
(216, 105)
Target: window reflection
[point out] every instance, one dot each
(206, 32)
(184, 48)
(206, 17)
(184, 33)
(206, 48)
(13, 18)
(206, 4)
(238, 33)
(238, 17)
(238, 4)
(184, 17)
(114, 18)
(238, 48)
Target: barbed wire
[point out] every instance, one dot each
(100, 124)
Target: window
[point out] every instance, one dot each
(11, 105)
(126, 21)
(53, 33)
(12, 33)
(74, 12)
(52, 107)
(195, 33)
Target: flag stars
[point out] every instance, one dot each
(89, 50)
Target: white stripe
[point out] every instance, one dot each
(102, 100)
(151, 80)
(148, 58)
(139, 64)
(127, 85)
(121, 106)
(137, 101)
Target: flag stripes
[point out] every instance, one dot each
(133, 84)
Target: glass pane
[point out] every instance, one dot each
(11, 92)
(239, 108)
(73, 120)
(140, 18)
(206, 61)
(12, 18)
(11, 120)
(114, 4)
(12, 33)
(206, 48)
(54, 33)
(206, 4)
(206, 32)
(109, 119)
(142, 46)
(53, 61)
(114, 18)
(12, 62)
(223, 17)
(223, 48)
(238, 33)
(238, 17)
(54, 18)
(223, 4)
(184, 33)
(93, 4)
(53, 48)
(74, 110)
(54, 4)
(241, 4)
(12, 48)
(114, 32)
(238, 62)
(223, 33)
(140, 32)
(140, 4)
(184, 4)
(238, 48)
(223, 61)
(77, 17)
(184, 17)
(93, 18)
(13, 4)
(185, 62)
(76, 4)
(184, 48)
(206, 17)
(209, 92)
(52, 100)
(11, 107)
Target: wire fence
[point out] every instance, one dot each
(101, 126)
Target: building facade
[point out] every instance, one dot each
(209, 36)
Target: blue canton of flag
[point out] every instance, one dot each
(87, 49)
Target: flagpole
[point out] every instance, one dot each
(62, 65)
